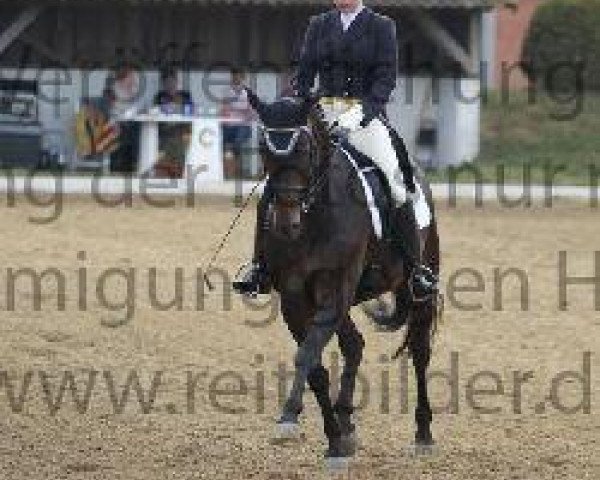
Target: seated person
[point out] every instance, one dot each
(174, 138)
(95, 133)
(170, 96)
(122, 99)
(235, 106)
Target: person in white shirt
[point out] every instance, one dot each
(236, 108)
(349, 10)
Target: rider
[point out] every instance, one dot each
(354, 52)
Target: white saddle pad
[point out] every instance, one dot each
(421, 208)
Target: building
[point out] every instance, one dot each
(507, 28)
(66, 49)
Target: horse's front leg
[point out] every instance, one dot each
(308, 357)
(296, 312)
(351, 344)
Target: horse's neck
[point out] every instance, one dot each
(335, 195)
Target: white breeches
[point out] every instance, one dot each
(374, 141)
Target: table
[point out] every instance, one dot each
(203, 158)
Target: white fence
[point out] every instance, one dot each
(452, 106)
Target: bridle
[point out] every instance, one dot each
(318, 174)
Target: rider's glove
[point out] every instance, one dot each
(371, 111)
(351, 119)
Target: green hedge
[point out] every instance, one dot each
(564, 43)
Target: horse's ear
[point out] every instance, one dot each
(310, 100)
(257, 105)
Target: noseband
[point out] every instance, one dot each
(288, 148)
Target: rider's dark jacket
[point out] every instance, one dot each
(360, 62)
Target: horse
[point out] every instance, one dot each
(320, 245)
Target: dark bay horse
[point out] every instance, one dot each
(319, 243)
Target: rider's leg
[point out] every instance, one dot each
(408, 242)
(257, 279)
(406, 234)
(260, 228)
(375, 141)
(404, 163)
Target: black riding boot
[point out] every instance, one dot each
(257, 279)
(405, 239)
(423, 282)
(404, 163)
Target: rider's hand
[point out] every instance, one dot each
(351, 119)
(370, 112)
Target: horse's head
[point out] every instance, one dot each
(290, 147)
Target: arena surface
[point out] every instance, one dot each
(213, 364)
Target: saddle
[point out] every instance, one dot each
(393, 225)
(376, 189)
(379, 195)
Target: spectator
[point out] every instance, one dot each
(128, 97)
(95, 133)
(170, 96)
(174, 138)
(236, 108)
(123, 94)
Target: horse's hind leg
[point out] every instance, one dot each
(421, 328)
(351, 344)
(420, 348)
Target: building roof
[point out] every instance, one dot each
(386, 3)
(381, 3)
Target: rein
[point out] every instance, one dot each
(313, 189)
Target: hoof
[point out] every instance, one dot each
(286, 431)
(348, 444)
(337, 465)
(341, 449)
(423, 448)
(424, 437)
(388, 324)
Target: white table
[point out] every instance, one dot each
(203, 158)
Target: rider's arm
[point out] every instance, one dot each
(307, 60)
(386, 64)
